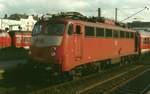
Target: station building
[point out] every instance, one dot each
(12, 22)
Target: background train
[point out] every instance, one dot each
(14, 44)
(71, 44)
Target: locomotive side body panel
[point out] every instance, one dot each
(84, 49)
(102, 49)
(73, 45)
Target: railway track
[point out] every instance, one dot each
(139, 85)
(8, 88)
(13, 54)
(99, 83)
(8, 64)
(109, 86)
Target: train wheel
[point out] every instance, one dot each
(67, 76)
(103, 66)
(106, 64)
(99, 69)
(123, 61)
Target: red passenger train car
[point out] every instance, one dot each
(144, 41)
(75, 44)
(14, 44)
(21, 39)
(17, 39)
(5, 39)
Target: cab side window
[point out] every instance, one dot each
(70, 29)
(78, 29)
(108, 32)
(89, 31)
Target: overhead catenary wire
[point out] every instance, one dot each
(135, 14)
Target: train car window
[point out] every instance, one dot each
(131, 35)
(127, 34)
(78, 29)
(147, 40)
(116, 34)
(18, 40)
(89, 31)
(70, 29)
(122, 34)
(108, 33)
(100, 32)
(144, 40)
(27, 39)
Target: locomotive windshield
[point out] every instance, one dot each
(49, 29)
(37, 29)
(55, 29)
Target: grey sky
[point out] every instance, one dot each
(87, 7)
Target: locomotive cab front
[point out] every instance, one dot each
(56, 46)
(47, 41)
(47, 46)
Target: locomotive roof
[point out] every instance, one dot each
(94, 24)
(90, 21)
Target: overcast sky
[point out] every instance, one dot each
(87, 7)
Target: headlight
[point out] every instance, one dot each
(53, 53)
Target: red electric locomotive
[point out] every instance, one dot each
(72, 44)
